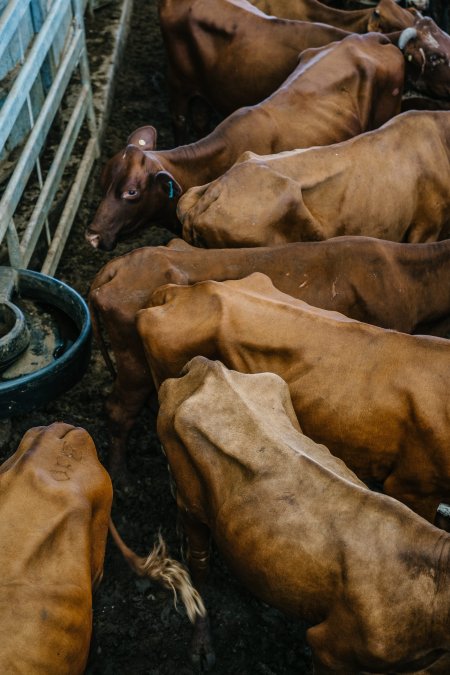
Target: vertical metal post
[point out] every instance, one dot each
(84, 71)
(37, 19)
(12, 241)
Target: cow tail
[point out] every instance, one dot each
(98, 335)
(171, 574)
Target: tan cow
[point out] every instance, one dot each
(335, 93)
(400, 286)
(55, 499)
(299, 529)
(378, 399)
(354, 187)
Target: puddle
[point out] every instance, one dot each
(52, 332)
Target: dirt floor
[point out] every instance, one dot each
(136, 627)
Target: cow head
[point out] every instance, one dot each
(136, 188)
(421, 5)
(427, 52)
(388, 17)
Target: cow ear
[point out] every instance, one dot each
(106, 176)
(168, 184)
(144, 138)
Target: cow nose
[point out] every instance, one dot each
(93, 239)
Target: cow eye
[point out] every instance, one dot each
(131, 194)
(376, 12)
(434, 59)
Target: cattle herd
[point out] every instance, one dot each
(296, 332)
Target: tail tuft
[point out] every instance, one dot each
(168, 572)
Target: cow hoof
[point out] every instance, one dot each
(202, 652)
(203, 660)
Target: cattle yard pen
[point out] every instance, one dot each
(53, 111)
(136, 628)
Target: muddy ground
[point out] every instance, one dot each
(136, 628)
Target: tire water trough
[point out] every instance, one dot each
(45, 337)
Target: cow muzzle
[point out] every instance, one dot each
(93, 239)
(101, 243)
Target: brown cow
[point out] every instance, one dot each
(299, 529)
(386, 17)
(336, 92)
(54, 511)
(400, 286)
(427, 50)
(230, 54)
(378, 399)
(353, 187)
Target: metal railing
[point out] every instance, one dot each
(48, 61)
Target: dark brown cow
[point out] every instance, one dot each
(401, 286)
(230, 54)
(299, 529)
(336, 92)
(353, 187)
(416, 101)
(427, 51)
(378, 399)
(54, 511)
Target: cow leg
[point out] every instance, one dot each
(123, 406)
(198, 543)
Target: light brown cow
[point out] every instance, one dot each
(335, 93)
(55, 499)
(400, 286)
(299, 529)
(354, 187)
(378, 399)
(386, 17)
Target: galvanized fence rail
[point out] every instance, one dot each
(43, 44)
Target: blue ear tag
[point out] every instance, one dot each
(170, 189)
